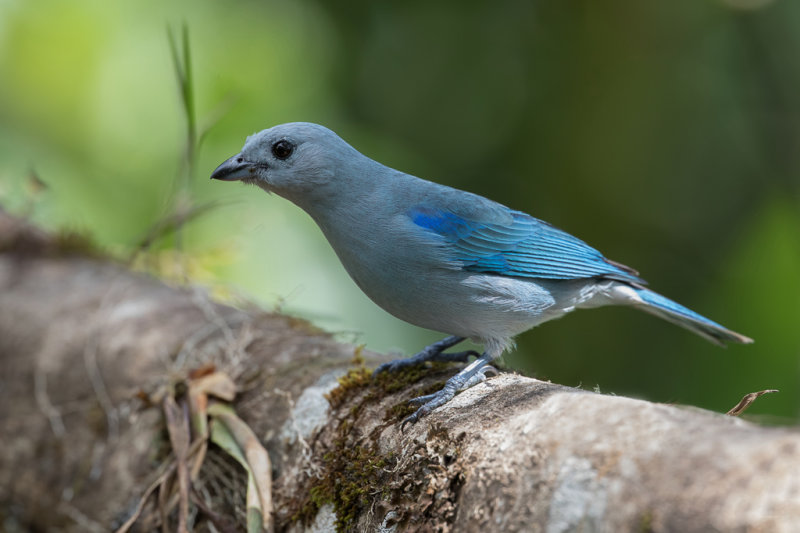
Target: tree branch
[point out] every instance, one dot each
(87, 349)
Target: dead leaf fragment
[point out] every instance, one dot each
(745, 402)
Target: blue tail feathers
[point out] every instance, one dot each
(677, 314)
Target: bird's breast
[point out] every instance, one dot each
(407, 272)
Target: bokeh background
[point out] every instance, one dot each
(666, 134)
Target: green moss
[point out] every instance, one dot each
(352, 475)
(350, 384)
(354, 470)
(359, 379)
(646, 522)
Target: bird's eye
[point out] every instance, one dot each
(282, 149)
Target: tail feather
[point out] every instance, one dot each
(674, 312)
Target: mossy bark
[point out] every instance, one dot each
(85, 345)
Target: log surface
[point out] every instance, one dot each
(82, 339)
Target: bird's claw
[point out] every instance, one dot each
(421, 400)
(394, 366)
(438, 400)
(429, 402)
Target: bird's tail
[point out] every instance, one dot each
(665, 308)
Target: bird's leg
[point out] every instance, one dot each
(473, 374)
(434, 352)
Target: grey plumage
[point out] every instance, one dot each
(442, 258)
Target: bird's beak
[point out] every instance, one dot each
(234, 169)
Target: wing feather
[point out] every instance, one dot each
(526, 247)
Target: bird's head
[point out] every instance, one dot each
(294, 160)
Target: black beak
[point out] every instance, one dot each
(234, 169)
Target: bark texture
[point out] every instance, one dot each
(84, 342)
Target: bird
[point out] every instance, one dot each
(442, 258)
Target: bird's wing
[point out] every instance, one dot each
(517, 245)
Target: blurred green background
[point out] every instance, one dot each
(666, 134)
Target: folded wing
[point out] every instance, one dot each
(522, 246)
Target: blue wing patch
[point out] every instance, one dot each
(525, 247)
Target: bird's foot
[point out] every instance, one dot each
(432, 353)
(469, 377)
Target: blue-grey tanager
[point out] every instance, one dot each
(442, 258)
